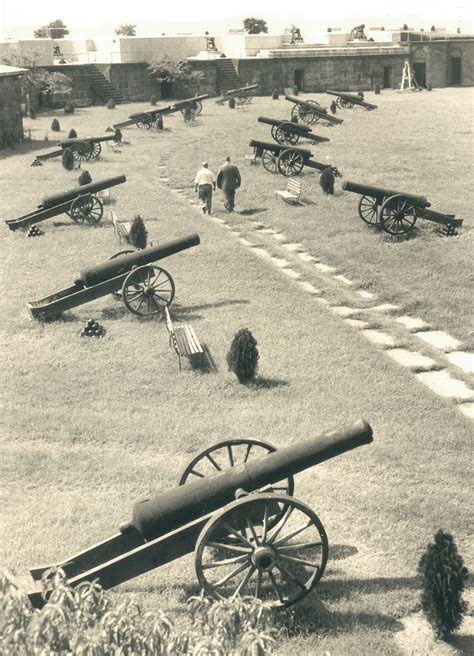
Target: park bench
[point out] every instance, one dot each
(122, 228)
(252, 159)
(114, 147)
(184, 339)
(292, 193)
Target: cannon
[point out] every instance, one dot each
(81, 204)
(288, 160)
(395, 211)
(190, 107)
(241, 95)
(347, 100)
(82, 149)
(287, 132)
(234, 508)
(145, 288)
(310, 111)
(143, 120)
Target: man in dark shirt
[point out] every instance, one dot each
(228, 179)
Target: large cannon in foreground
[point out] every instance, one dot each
(395, 211)
(82, 204)
(347, 100)
(288, 132)
(241, 95)
(286, 159)
(234, 508)
(83, 149)
(145, 287)
(310, 111)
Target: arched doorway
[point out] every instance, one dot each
(454, 67)
(419, 66)
(166, 90)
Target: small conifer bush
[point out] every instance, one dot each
(55, 127)
(443, 575)
(68, 159)
(84, 178)
(32, 113)
(243, 355)
(153, 100)
(275, 95)
(69, 109)
(296, 91)
(110, 103)
(377, 89)
(138, 235)
(72, 134)
(326, 180)
(232, 103)
(118, 135)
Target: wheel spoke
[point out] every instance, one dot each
(290, 575)
(238, 535)
(265, 523)
(281, 523)
(196, 473)
(229, 547)
(209, 457)
(275, 585)
(228, 561)
(231, 455)
(298, 561)
(251, 529)
(247, 453)
(230, 576)
(244, 581)
(300, 546)
(293, 534)
(259, 584)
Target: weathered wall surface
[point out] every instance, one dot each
(11, 123)
(438, 55)
(132, 80)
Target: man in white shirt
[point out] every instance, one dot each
(204, 183)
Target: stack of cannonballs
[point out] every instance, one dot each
(447, 231)
(92, 329)
(34, 231)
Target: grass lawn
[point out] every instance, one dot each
(91, 425)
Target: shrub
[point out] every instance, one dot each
(275, 95)
(377, 89)
(55, 127)
(118, 135)
(153, 100)
(243, 355)
(32, 113)
(68, 159)
(326, 180)
(333, 107)
(72, 134)
(295, 91)
(138, 233)
(110, 103)
(443, 575)
(232, 103)
(69, 109)
(429, 87)
(84, 178)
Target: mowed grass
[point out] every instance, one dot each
(92, 425)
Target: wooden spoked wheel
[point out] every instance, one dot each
(279, 564)
(269, 161)
(290, 163)
(96, 149)
(346, 104)
(82, 152)
(368, 210)
(247, 99)
(197, 107)
(145, 124)
(285, 134)
(86, 210)
(306, 114)
(147, 290)
(231, 453)
(398, 215)
(118, 293)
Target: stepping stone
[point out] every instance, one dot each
(411, 359)
(308, 287)
(306, 257)
(161, 166)
(215, 218)
(343, 279)
(412, 323)
(324, 267)
(322, 301)
(234, 232)
(268, 231)
(463, 360)
(363, 294)
(379, 338)
(441, 383)
(384, 307)
(280, 262)
(293, 247)
(163, 179)
(291, 273)
(245, 242)
(467, 409)
(440, 340)
(343, 310)
(261, 252)
(279, 236)
(356, 323)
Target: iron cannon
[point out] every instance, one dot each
(145, 288)
(82, 204)
(310, 111)
(234, 508)
(241, 95)
(288, 160)
(83, 149)
(288, 132)
(143, 120)
(395, 211)
(347, 100)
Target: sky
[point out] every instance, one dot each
(96, 18)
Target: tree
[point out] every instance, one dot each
(255, 25)
(38, 78)
(126, 30)
(54, 30)
(169, 70)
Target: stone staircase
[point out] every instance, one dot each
(227, 77)
(103, 89)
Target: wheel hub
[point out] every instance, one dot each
(263, 558)
(148, 291)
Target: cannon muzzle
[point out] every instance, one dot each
(240, 89)
(380, 193)
(168, 511)
(68, 143)
(57, 199)
(295, 100)
(187, 101)
(115, 267)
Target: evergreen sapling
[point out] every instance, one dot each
(243, 356)
(138, 235)
(68, 159)
(55, 127)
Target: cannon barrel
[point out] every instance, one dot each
(187, 101)
(295, 100)
(274, 147)
(73, 142)
(239, 89)
(351, 98)
(115, 267)
(152, 112)
(91, 188)
(168, 511)
(279, 121)
(380, 193)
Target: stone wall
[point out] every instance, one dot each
(11, 123)
(132, 80)
(438, 54)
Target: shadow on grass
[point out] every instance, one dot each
(332, 589)
(268, 383)
(251, 211)
(342, 551)
(464, 644)
(205, 364)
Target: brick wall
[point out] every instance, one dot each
(11, 123)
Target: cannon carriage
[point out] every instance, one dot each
(83, 149)
(241, 95)
(347, 100)
(395, 212)
(189, 107)
(310, 111)
(287, 159)
(288, 132)
(82, 204)
(133, 276)
(248, 533)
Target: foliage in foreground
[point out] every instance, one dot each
(443, 574)
(86, 621)
(243, 355)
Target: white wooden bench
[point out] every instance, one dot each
(122, 228)
(104, 196)
(252, 159)
(113, 146)
(292, 193)
(184, 339)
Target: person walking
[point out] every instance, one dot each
(228, 179)
(204, 183)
